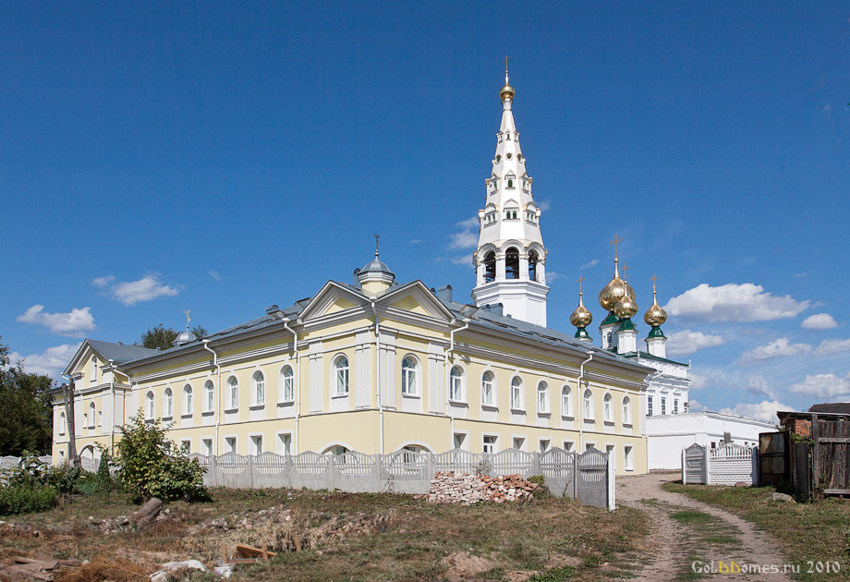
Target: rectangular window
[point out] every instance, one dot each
(544, 445)
(458, 440)
(206, 447)
(649, 405)
(234, 395)
(487, 391)
(628, 458)
(230, 445)
(489, 444)
(284, 444)
(675, 407)
(186, 446)
(288, 388)
(257, 444)
(516, 397)
(588, 446)
(663, 406)
(519, 443)
(209, 401)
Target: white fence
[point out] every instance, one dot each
(588, 477)
(727, 464)
(9, 462)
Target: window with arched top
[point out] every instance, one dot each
(607, 408)
(92, 415)
(512, 263)
(93, 370)
(516, 393)
(209, 396)
(456, 385)
(532, 265)
(62, 423)
(258, 388)
(488, 388)
(409, 373)
(340, 367)
(566, 401)
(490, 267)
(187, 400)
(627, 410)
(511, 213)
(542, 398)
(149, 405)
(168, 404)
(232, 393)
(588, 404)
(287, 384)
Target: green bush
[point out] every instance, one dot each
(151, 465)
(27, 498)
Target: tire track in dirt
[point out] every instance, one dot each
(674, 544)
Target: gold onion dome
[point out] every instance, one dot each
(614, 291)
(581, 317)
(507, 91)
(655, 315)
(626, 307)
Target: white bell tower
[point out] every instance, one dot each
(510, 259)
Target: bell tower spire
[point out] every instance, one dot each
(510, 259)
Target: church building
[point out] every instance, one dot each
(377, 365)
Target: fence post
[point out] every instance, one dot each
(684, 467)
(378, 468)
(535, 464)
(612, 495)
(755, 469)
(575, 476)
(213, 469)
(331, 476)
(707, 459)
(251, 470)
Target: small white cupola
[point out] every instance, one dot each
(375, 277)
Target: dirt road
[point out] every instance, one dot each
(690, 537)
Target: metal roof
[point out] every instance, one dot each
(120, 353)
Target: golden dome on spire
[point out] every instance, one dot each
(614, 291)
(581, 317)
(626, 307)
(655, 315)
(507, 91)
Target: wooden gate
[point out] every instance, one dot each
(831, 454)
(773, 458)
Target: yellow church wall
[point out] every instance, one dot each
(358, 431)
(422, 430)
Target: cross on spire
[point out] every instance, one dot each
(626, 273)
(507, 58)
(580, 281)
(654, 278)
(617, 240)
(377, 236)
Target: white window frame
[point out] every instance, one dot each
(649, 405)
(410, 376)
(543, 398)
(457, 384)
(341, 375)
(464, 441)
(522, 442)
(567, 401)
(92, 415)
(62, 423)
(587, 404)
(168, 403)
(569, 446)
(627, 411)
(207, 443)
(231, 443)
(150, 405)
(188, 400)
(488, 389)
(286, 384)
(494, 443)
(517, 400)
(256, 444)
(232, 393)
(628, 458)
(93, 370)
(281, 442)
(543, 445)
(608, 407)
(209, 396)
(663, 406)
(258, 389)
(186, 446)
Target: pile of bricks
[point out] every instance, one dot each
(468, 489)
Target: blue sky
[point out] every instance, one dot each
(160, 157)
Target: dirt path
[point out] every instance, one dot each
(687, 532)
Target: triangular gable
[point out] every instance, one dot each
(332, 298)
(82, 357)
(417, 298)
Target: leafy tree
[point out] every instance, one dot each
(26, 410)
(163, 337)
(151, 465)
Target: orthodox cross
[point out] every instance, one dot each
(654, 278)
(617, 240)
(580, 281)
(188, 317)
(625, 273)
(507, 58)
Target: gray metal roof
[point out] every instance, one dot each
(120, 353)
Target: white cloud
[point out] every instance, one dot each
(758, 385)
(415, 241)
(464, 260)
(823, 385)
(733, 302)
(819, 321)
(764, 410)
(467, 237)
(698, 381)
(73, 324)
(829, 347)
(132, 292)
(779, 348)
(544, 205)
(686, 342)
(215, 275)
(552, 275)
(50, 362)
(695, 406)
(589, 265)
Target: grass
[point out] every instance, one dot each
(556, 538)
(808, 533)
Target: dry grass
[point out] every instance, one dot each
(346, 536)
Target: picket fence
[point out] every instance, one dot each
(588, 477)
(727, 464)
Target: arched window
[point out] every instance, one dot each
(516, 393)
(511, 212)
(187, 400)
(408, 376)
(232, 393)
(149, 408)
(532, 265)
(341, 376)
(62, 423)
(512, 263)
(490, 267)
(93, 370)
(168, 404)
(488, 389)
(588, 404)
(456, 391)
(258, 388)
(607, 408)
(566, 401)
(209, 396)
(92, 415)
(287, 384)
(543, 397)
(627, 410)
